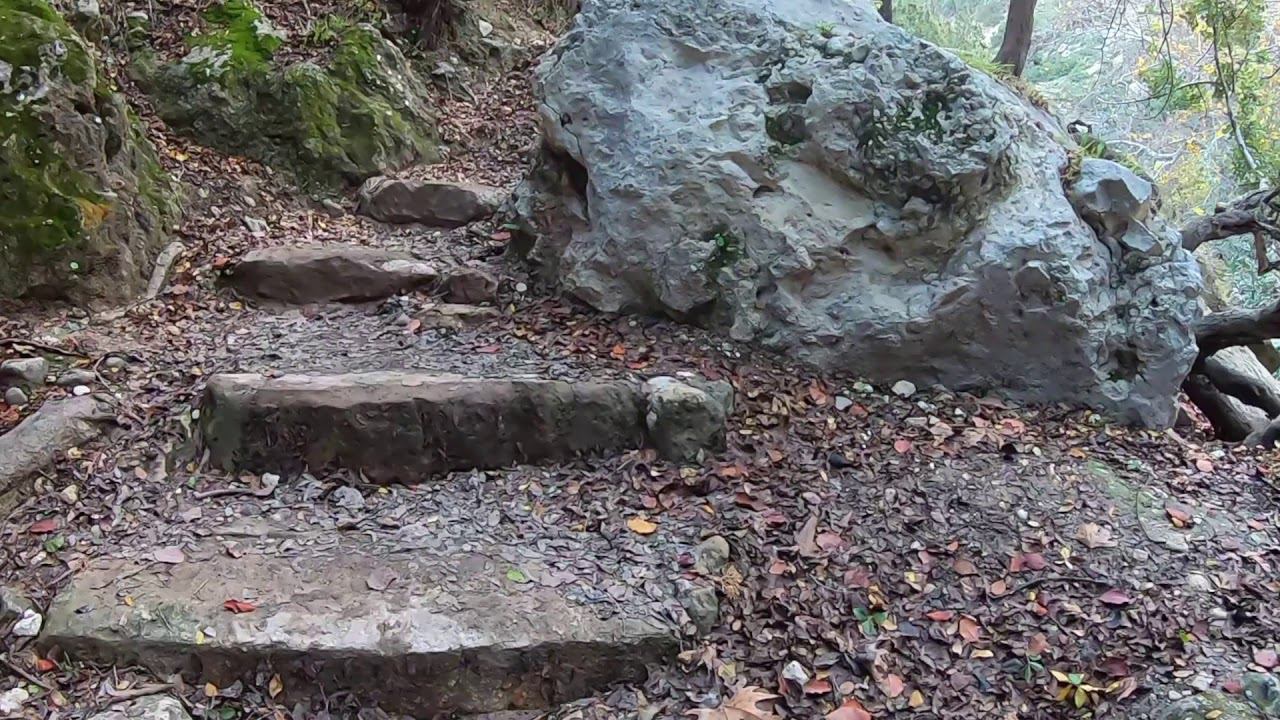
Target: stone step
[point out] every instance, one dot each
(439, 204)
(328, 273)
(472, 629)
(408, 426)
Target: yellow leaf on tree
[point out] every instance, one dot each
(641, 526)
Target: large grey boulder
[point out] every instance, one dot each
(802, 175)
(440, 204)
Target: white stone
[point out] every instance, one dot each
(80, 390)
(11, 701)
(29, 624)
(904, 388)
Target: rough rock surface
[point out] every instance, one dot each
(84, 203)
(55, 427)
(439, 204)
(805, 176)
(24, 371)
(429, 627)
(328, 273)
(358, 115)
(408, 427)
(685, 423)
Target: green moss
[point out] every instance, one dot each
(358, 115)
(239, 38)
(42, 199)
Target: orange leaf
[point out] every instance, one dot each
(239, 606)
(44, 665)
(970, 630)
(892, 685)
(1204, 465)
(940, 615)
(43, 527)
(850, 710)
(817, 686)
(998, 588)
(902, 445)
(641, 526)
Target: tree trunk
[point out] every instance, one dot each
(1237, 372)
(1232, 420)
(1243, 216)
(1237, 327)
(1018, 29)
(886, 10)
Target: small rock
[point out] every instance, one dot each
(88, 9)
(256, 226)
(702, 604)
(796, 673)
(80, 390)
(843, 403)
(486, 28)
(684, 422)
(1199, 583)
(29, 371)
(115, 363)
(76, 376)
(904, 388)
(12, 605)
(11, 701)
(438, 204)
(348, 497)
(1264, 690)
(15, 396)
(29, 624)
(152, 707)
(470, 286)
(711, 556)
(70, 494)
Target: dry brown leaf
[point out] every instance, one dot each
(892, 685)
(1094, 536)
(850, 710)
(970, 630)
(641, 526)
(744, 705)
(806, 543)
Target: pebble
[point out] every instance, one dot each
(70, 494)
(29, 624)
(76, 376)
(904, 388)
(80, 390)
(27, 370)
(115, 362)
(796, 673)
(15, 396)
(11, 701)
(843, 403)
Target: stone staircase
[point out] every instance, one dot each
(427, 626)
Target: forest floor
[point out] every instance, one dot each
(943, 554)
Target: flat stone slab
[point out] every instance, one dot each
(57, 426)
(406, 426)
(426, 633)
(439, 204)
(328, 273)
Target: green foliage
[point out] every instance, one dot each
(726, 250)
(1169, 90)
(326, 31)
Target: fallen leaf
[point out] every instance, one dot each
(1094, 536)
(999, 587)
(964, 567)
(1204, 465)
(45, 665)
(210, 690)
(970, 630)
(1029, 561)
(414, 326)
(275, 686)
(817, 686)
(916, 699)
(1037, 645)
(902, 445)
(169, 555)
(1178, 516)
(43, 527)
(744, 705)
(518, 576)
(940, 615)
(1266, 658)
(805, 543)
(850, 710)
(239, 606)
(641, 526)
(1114, 597)
(892, 685)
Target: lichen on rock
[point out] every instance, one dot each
(359, 113)
(84, 202)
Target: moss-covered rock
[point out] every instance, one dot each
(84, 203)
(359, 114)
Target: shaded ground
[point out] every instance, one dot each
(939, 554)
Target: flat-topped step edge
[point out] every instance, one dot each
(440, 634)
